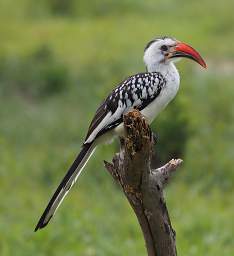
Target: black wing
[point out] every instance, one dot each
(136, 91)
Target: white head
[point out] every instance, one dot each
(163, 51)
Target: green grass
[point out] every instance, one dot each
(40, 136)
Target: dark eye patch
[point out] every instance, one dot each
(164, 47)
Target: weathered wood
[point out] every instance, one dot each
(143, 186)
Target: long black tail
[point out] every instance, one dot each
(66, 184)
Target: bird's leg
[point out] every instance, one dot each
(155, 137)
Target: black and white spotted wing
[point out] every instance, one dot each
(135, 92)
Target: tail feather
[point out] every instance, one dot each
(66, 184)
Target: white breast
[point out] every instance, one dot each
(167, 93)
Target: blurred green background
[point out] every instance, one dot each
(58, 60)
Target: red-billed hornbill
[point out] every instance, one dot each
(149, 92)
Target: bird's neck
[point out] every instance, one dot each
(162, 68)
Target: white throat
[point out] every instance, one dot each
(162, 68)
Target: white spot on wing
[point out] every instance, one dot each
(144, 93)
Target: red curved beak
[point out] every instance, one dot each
(184, 50)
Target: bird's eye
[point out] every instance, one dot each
(164, 47)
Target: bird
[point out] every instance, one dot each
(149, 92)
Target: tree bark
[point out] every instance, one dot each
(143, 186)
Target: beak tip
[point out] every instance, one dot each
(204, 65)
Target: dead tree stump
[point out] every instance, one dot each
(143, 186)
